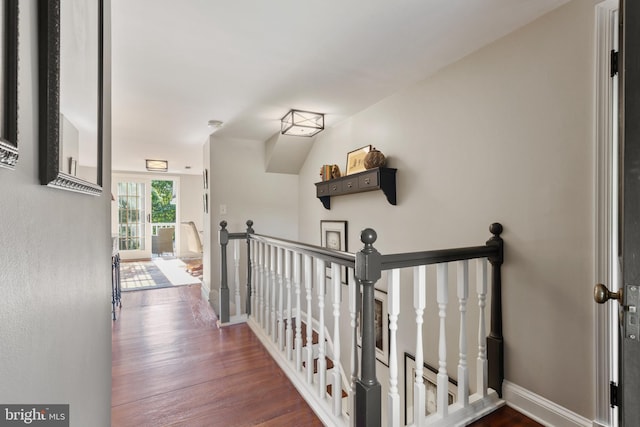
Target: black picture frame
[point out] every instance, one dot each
(49, 58)
(381, 325)
(333, 235)
(429, 377)
(9, 82)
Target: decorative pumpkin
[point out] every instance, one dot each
(374, 159)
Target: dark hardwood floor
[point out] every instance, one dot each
(506, 417)
(172, 366)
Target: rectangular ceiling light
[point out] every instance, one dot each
(302, 123)
(157, 165)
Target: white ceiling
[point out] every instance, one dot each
(179, 63)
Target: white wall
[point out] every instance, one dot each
(54, 269)
(238, 180)
(505, 134)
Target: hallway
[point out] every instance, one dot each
(172, 366)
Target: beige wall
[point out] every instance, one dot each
(237, 179)
(505, 134)
(54, 269)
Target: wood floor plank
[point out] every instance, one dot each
(172, 366)
(506, 417)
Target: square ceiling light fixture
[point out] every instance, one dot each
(157, 165)
(301, 123)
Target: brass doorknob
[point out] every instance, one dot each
(601, 294)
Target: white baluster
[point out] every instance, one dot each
(442, 400)
(463, 296)
(322, 361)
(419, 303)
(267, 291)
(273, 289)
(280, 314)
(308, 279)
(261, 284)
(336, 282)
(353, 315)
(236, 261)
(394, 311)
(267, 288)
(264, 302)
(482, 366)
(287, 278)
(254, 277)
(298, 339)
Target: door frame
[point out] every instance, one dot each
(606, 217)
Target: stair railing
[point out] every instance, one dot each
(280, 273)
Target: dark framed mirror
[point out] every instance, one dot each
(9, 83)
(70, 58)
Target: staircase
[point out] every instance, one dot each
(294, 304)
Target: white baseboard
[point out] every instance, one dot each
(540, 409)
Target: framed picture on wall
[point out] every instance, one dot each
(381, 325)
(430, 380)
(333, 235)
(8, 83)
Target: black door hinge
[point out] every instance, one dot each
(614, 63)
(614, 394)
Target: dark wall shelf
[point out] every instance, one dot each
(373, 179)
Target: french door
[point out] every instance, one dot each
(133, 198)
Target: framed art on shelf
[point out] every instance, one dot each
(355, 160)
(430, 380)
(333, 235)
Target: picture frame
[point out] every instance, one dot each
(70, 81)
(9, 84)
(205, 202)
(333, 235)
(381, 321)
(355, 160)
(73, 166)
(430, 378)
(205, 179)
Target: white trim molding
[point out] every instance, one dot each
(605, 338)
(540, 409)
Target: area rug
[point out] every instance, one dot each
(141, 275)
(159, 273)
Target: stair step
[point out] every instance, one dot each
(315, 364)
(330, 388)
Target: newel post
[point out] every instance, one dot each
(249, 266)
(224, 285)
(368, 391)
(495, 342)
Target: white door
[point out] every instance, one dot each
(624, 394)
(133, 199)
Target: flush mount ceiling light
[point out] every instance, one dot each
(157, 165)
(215, 124)
(301, 123)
